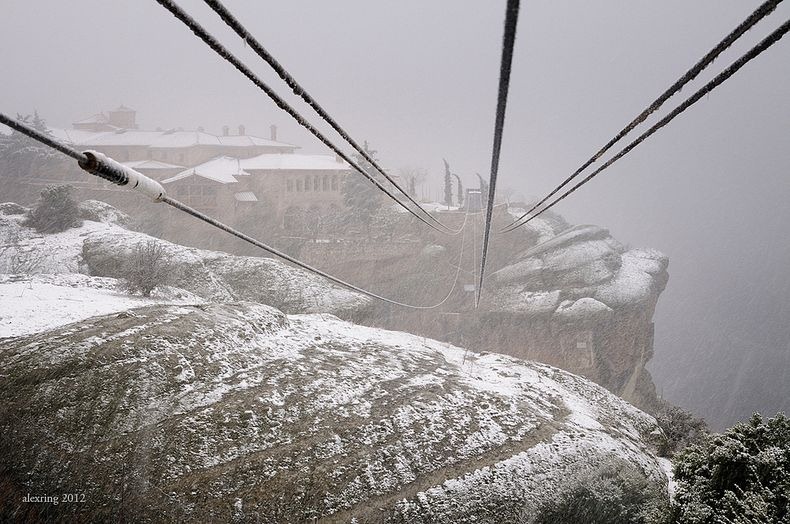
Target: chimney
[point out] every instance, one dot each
(273, 132)
(225, 130)
(241, 130)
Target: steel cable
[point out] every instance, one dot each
(707, 88)
(508, 42)
(233, 22)
(223, 52)
(761, 12)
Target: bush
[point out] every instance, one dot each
(613, 492)
(741, 476)
(680, 427)
(55, 211)
(147, 268)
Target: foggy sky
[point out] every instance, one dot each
(418, 80)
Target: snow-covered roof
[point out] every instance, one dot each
(222, 169)
(161, 139)
(151, 164)
(294, 162)
(245, 196)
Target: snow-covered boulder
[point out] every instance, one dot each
(239, 413)
(99, 247)
(99, 211)
(581, 262)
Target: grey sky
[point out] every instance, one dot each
(418, 80)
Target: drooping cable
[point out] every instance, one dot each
(761, 12)
(508, 42)
(234, 23)
(104, 167)
(707, 88)
(223, 52)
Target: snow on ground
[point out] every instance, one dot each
(31, 304)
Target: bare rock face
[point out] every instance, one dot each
(239, 413)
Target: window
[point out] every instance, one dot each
(334, 182)
(181, 157)
(326, 182)
(307, 183)
(299, 186)
(289, 186)
(316, 183)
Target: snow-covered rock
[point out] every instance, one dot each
(34, 303)
(99, 248)
(237, 412)
(581, 262)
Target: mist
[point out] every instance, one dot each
(418, 81)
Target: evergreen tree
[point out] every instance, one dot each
(55, 211)
(483, 191)
(740, 476)
(22, 157)
(448, 185)
(360, 195)
(460, 191)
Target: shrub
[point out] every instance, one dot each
(147, 268)
(741, 476)
(612, 492)
(681, 428)
(55, 211)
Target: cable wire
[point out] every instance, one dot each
(761, 12)
(106, 168)
(223, 52)
(707, 88)
(233, 22)
(508, 42)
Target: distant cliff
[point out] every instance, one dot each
(571, 296)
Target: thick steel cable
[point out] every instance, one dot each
(710, 86)
(761, 12)
(234, 23)
(508, 42)
(223, 52)
(108, 174)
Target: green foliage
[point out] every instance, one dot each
(613, 492)
(680, 427)
(147, 268)
(55, 211)
(741, 476)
